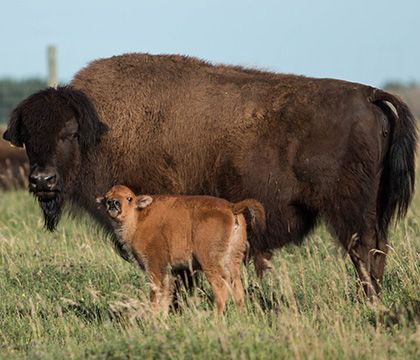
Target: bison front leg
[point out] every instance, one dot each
(369, 258)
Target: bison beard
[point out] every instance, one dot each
(52, 209)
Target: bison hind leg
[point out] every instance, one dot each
(360, 235)
(368, 255)
(261, 261)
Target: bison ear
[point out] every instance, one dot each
(143, 202)
(91, 129)
(13, 134)
(6, 136)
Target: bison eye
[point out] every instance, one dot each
(129, 199)
(74, 136)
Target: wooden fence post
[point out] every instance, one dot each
(52, 72)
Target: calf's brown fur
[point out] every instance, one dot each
(184, 232)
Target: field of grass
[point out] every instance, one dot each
(68, 295)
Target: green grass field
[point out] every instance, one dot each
(68, 295)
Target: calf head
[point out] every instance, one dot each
(121, 203)
(57, 128)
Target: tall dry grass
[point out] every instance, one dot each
(68, 295)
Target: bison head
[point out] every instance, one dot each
(57, 127)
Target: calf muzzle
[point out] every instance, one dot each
(113, 207)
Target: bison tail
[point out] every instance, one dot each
(255, 208)
(398, 175)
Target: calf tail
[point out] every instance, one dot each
(398, 174)
(255, 208)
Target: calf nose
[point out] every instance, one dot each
(113, 204)
(43, 180)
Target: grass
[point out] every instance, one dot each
(69, 295)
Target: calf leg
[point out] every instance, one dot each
(219, 281)
(233, 260)
(160, 287)
(236, 284)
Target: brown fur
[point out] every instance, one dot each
(305, 148)
(184, 232)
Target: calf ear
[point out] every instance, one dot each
(100, 200)
(143, 202)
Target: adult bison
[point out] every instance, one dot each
(306, 148)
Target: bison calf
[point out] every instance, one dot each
(184, 232)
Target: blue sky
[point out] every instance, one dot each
(366, 41)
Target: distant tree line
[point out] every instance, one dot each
(12, 92)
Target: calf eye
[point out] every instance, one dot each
(129, 199)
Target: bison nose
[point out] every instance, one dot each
(43, 181)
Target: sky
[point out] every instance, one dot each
(367, 41)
